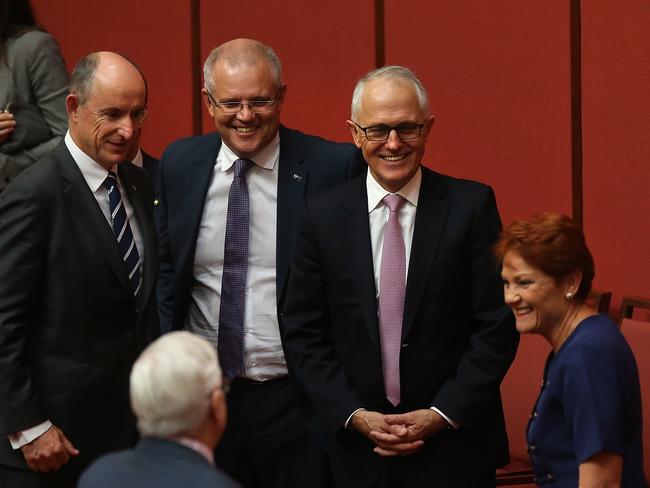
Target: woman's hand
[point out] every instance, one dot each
(7, 125)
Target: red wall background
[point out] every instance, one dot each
(498, 75)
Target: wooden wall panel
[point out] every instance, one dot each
(498, 76)
(157, 39)
(324, 48)
(616, 141)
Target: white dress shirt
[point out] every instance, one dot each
(94, 174)
(378, 217)
(263, 354)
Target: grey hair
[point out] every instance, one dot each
(171, 384)
(389, 73)
(245, 52)
(83, 75)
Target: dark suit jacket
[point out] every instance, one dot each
(308, 164)
(70, 328)
(156, 463)
(458, 337)
(150, 164)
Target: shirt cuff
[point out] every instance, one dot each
(351, 415)
(455, 425)
(19, 439)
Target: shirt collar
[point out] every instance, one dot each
(266, 158)
(376, 192)
(137, 160)
(93, 172)
(196, 446)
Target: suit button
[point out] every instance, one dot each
(530, 448)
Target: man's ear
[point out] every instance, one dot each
(218, 409)
(208, 102)
(72, 106)
(354, 130)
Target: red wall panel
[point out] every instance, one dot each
(157, 39)
(324, 47)
(616, 131)
(498, 76)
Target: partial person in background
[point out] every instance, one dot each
(143, 160)
(585, 429)
(177, 394)
(229, 202)
(33, 87)
(78, 264)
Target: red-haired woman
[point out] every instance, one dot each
(585, 429)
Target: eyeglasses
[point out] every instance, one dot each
(255, 106)
(380, 133)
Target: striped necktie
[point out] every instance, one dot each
(123, 233)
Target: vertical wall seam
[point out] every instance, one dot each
(380, 34)
(577, 196)
(195, 36)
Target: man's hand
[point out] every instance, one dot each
(48, 452)
(366, 422)
(407, 432)
(7, 125)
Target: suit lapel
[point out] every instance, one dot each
(355, 232)
(430, 219)
(145, 224)
(292, 181)
(82, 202)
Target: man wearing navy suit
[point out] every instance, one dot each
(250, 176)
(76, 295)
(394, 323)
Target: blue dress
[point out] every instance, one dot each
(590, 402)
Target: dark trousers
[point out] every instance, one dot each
(18, 478)
(266, 444)
(398, 478)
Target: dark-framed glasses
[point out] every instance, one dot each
(380, 133)
(257, 106)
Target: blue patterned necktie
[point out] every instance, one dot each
(123, 233)
(235, 268)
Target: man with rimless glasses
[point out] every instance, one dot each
(228, 205)
(394, 325)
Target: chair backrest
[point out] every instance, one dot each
(520, 389)
(637, 334)
(600, 300)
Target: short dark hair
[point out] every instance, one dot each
(552, 243)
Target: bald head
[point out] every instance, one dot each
(103, 63)
(241, 52)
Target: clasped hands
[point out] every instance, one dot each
(398, 434)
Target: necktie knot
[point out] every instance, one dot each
(110, 181)
(394, 202)
(242, 166)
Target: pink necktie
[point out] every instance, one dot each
(391, 298)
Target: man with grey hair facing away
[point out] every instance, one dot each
(178, 398)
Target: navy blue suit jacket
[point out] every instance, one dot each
(159, 463)
(308, 164)
(458, 337)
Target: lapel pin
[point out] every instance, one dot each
(134, 188)
(297, 177)
(156, 202)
